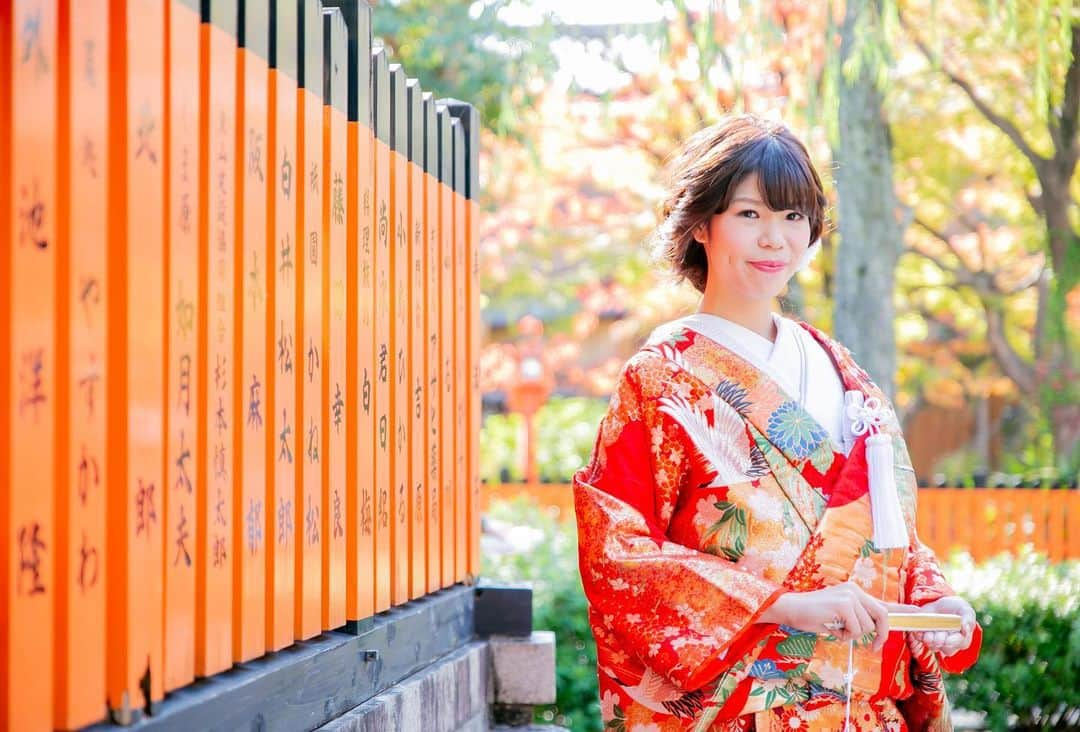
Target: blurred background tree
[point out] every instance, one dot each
(977, 109)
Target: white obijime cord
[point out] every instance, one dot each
(849, 677)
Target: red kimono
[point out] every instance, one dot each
(710, 493)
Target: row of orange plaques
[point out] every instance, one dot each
(239, 324)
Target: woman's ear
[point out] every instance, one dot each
(701, 233)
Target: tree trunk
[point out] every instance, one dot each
(870, 237)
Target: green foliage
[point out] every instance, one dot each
(558, 604)
(1028, 675)
(462, 49)
(566, 430)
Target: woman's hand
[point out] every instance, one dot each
(948, 643)
(845, 610)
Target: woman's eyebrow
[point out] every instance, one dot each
(746, 199)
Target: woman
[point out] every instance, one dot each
(727, 540)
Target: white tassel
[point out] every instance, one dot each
(890, 531)
(867, 417)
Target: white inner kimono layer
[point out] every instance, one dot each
(782, 361)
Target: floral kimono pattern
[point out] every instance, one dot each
(710, 493)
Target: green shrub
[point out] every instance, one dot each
(1028, 674)
(566, 430)
(559, 605)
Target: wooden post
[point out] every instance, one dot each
(434, 344)
(334, 278)
(282, 537)
(253, 444)
(79, 650)
(309, 321)
(380, 214)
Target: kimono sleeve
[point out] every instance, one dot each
(926, 583)
(677, 609)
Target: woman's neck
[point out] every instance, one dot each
(754, 315)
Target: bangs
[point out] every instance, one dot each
(786, 181)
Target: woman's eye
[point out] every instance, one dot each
(749, 213)
(795, 216)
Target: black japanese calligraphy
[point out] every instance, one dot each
(31, 548)
(401, 509)
(89, 156)
(220, 372)
(313, 442)
(219, 555)
(286, 174)
(87, 383)
(384, 225)
(88, 565)
(254, 418)
(31, 379)
(143, 134)
(285, 452)
(312, 360)
(32, 217)
(284, 521)
(337, 206)
(145, 514)
(366, 395)
(311, 521)
(221, 463)
(337, 407)
(339, 530)
(255, 140)
(313, 247)
(384, 367)
(383, 428)
(183, 481)
(286, 266)
(365, 514)
(89, 296)
(183, 396)
(88, 476)
(384, 507)
(33, 50)
(254, 525)
(255, 284)
(313, 176)
(181, 537)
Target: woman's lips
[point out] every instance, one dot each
(765, 266)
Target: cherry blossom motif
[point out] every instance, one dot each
(831, 676)
(728, 457)
(607, 704)
(863, 572)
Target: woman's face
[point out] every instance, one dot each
(752, 250)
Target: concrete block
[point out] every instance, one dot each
(523, 669)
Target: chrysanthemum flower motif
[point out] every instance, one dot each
(722, 444)
(793, 430)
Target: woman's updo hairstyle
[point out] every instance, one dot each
(703, 176)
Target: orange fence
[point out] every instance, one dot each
(238, 342)
(982, 521)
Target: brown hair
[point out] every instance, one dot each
(703, 175)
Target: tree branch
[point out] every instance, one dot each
(1005, 125)
(1065, 137)
(1008, 360)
